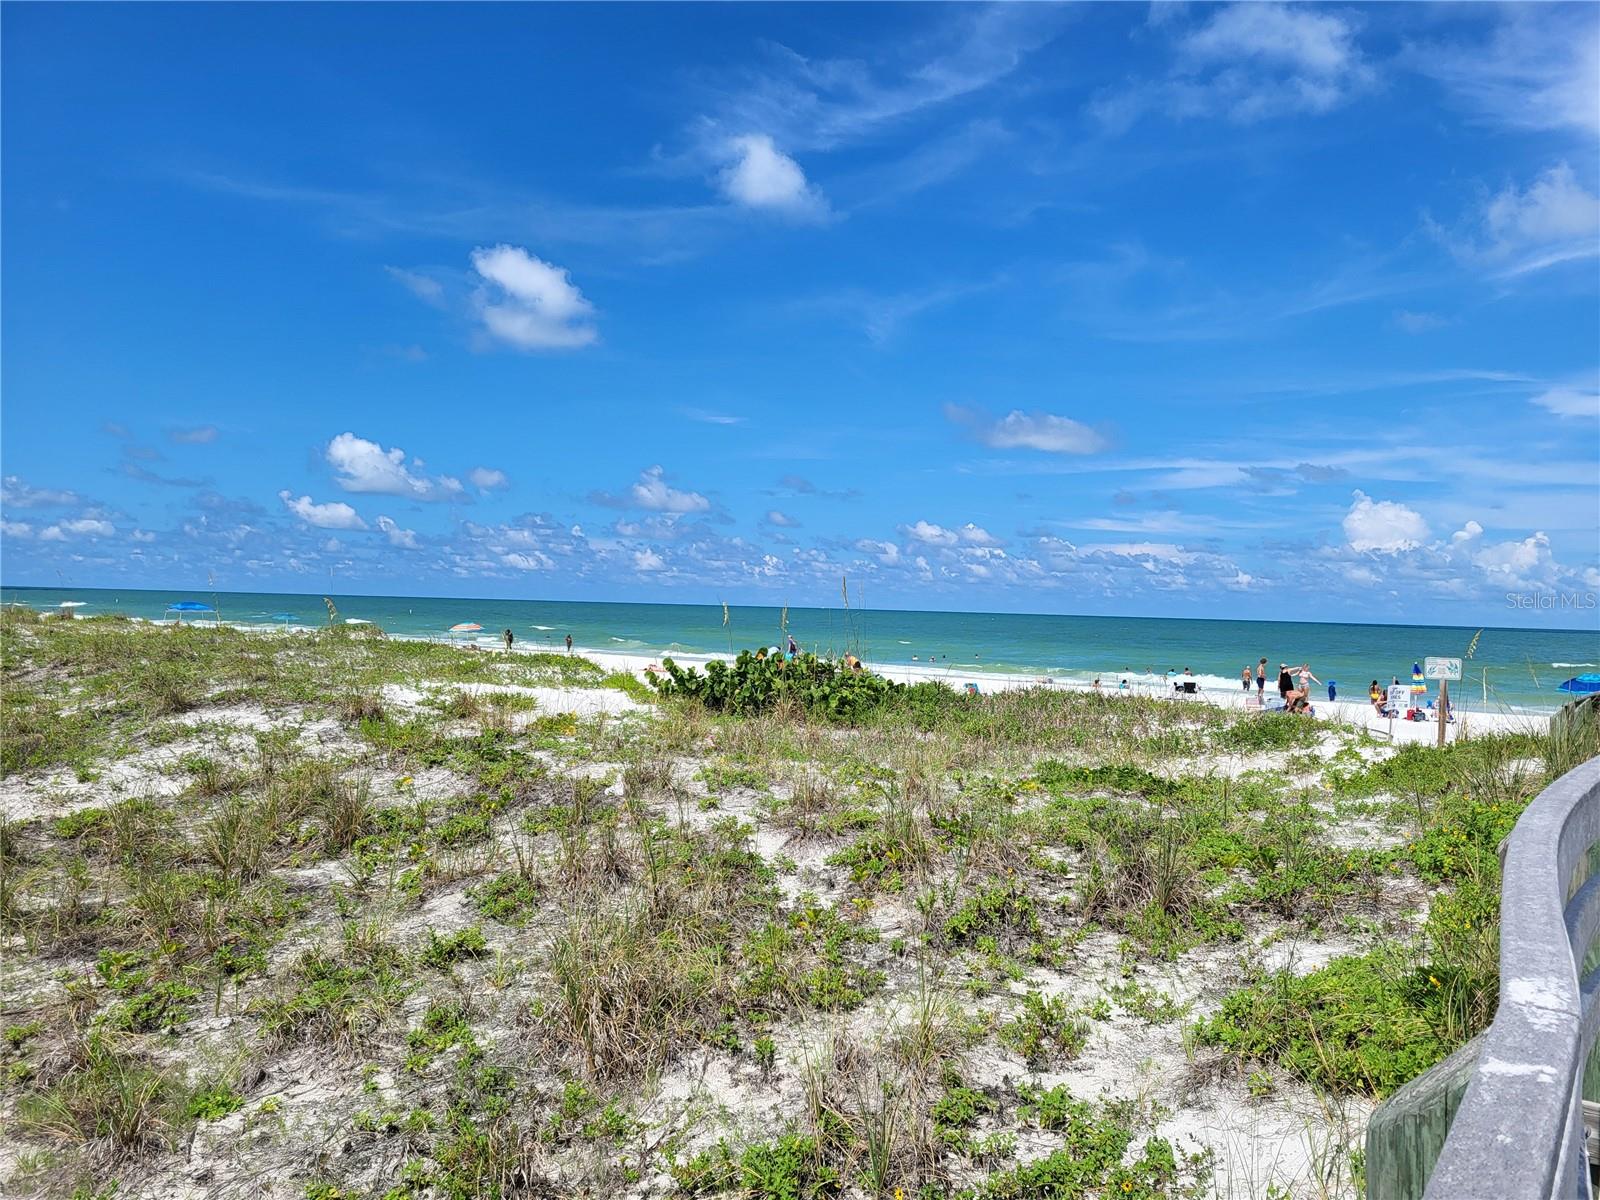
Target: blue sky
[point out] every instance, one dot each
(1194, 310)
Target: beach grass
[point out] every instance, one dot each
(267, 894)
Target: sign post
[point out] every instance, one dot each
(1399, 700)
(1444, 670)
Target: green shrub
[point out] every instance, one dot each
(213, 1103)
(1091, 1161)
(791, 1168)
(505, 898)
(338, 1000)
(1001, 907)
(442, 952)
(822, 688)
(1046, 1031)
(1360, 1025)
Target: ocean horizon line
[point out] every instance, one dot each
(780, 605)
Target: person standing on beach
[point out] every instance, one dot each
(509, 637)
(1244, 678)
(1261, 677)
(1333, 693)
(569, 643)
(1285, 682)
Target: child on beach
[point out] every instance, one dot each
(1244, 678)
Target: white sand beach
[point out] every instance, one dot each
(1353, 713)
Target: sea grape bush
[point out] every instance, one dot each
(821, 687)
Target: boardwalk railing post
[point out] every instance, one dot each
(1503, 1116)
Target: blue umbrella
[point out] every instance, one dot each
(1582, 685)
(187, 606)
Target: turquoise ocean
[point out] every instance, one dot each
(1511, 670)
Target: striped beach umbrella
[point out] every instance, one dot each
(1418, 684)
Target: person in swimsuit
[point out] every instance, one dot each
(569, 643)
(1261, 677)
(1244, 678)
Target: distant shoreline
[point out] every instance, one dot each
(1515, 672)
(1355, 712)
(174, 593)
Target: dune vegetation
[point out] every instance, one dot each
(333, 915)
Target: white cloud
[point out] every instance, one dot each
(334, 515)
(1571, 402)
(89, 527)
(1383, 526)
(886, 553)
(781, 519)
(423, 287)
(930, 534)
(16, 493)
(487, 479)
(1250, 62)
(1470, 532)
(406, 539)
(706, 417)
(16, 529)
(536, 561)
(1539, 69)
(1032, 431)
(654, 493)
(366, 467)
(1159, 551)
(529, 303)
(199, 435)
(142, 535)
(1555, 219)
(816, 103)
(1524, 564)
(761, 176)
(1418, 322)
(976, 535)
(648, 560)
